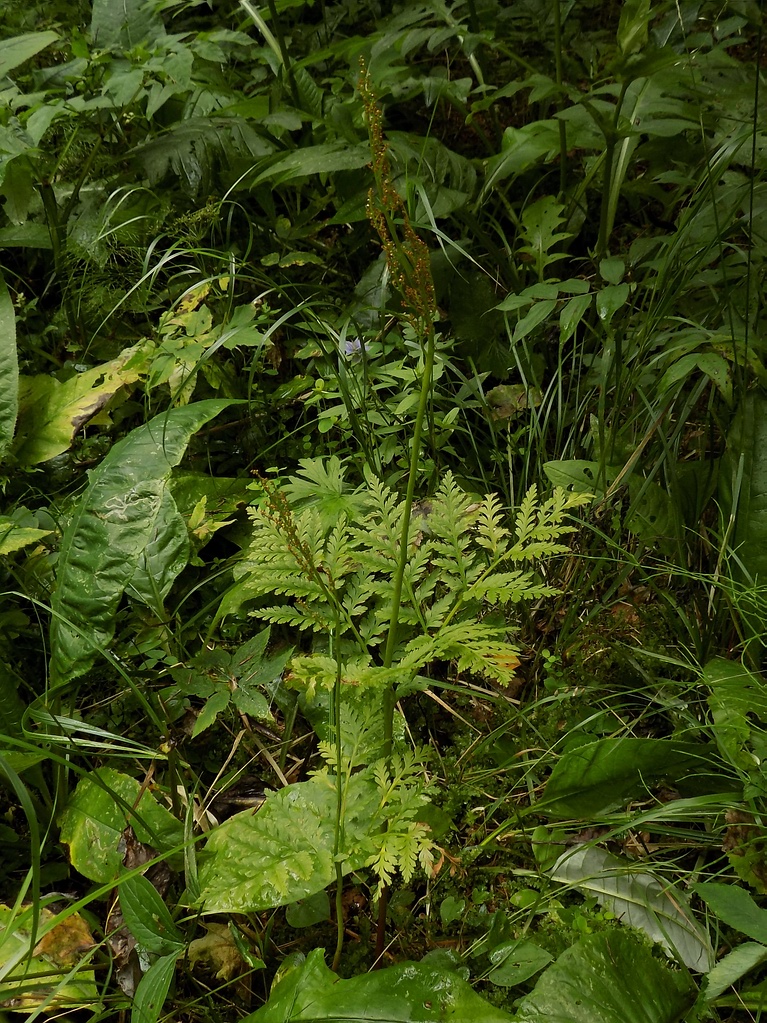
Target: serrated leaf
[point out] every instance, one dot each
(608, 978)
(98, 812)
(737, 701)
(117, 519)
(639, 900)
(214, 705)
(406, 993)
(735, 907)
(732, 967)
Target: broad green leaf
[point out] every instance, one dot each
(610, 300)
(405, 993)
(605, 775)
(124, 24)
(19, 49)
(94, 820)
(9, 369)
(738, 703)
(308, 912)
(214, 705)
(732, 967)
(651, 513)
(522, 147)
(152, 990)
(147, 917)
(639, 900)
(608, 978)
(51, 412)
(516, 961)
(116, 522)
(49, 976)
(284, 852)
(736, 908)
(25, 236)
(14, 537)
(632, 28)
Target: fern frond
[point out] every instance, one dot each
(491, 533)
(508, 588)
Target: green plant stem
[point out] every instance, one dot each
(338, 830)
(391, 638)
(559, 76)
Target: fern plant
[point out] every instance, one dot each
(331, 554)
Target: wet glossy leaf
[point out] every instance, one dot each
(608, 978)
(406, 993)
(516, 961)
(284, 852)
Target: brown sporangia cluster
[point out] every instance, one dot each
(407, 256)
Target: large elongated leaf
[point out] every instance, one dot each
(15, 51)
(604, 775)
(639, 900)
(608, 978)
(285, 851)
(114, 531)
(9, 369)
(406, 993)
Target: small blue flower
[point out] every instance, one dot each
(353, 348)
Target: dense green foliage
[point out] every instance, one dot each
(384, 510)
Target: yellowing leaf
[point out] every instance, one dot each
(51, 412)
(48, 976)
(13, 537)
(217, 952)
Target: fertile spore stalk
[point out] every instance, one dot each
(407, 259)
